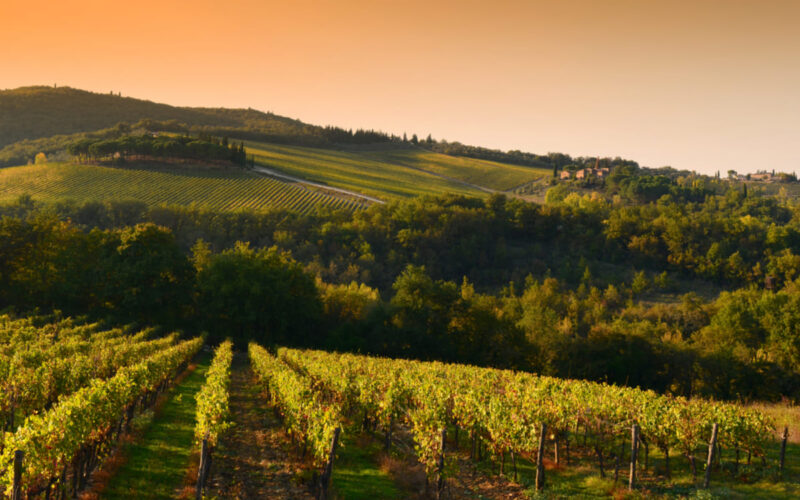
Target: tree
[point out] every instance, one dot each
(41, 159)
(422, 312)
(145, 276)
(640, 283)
(261, 295)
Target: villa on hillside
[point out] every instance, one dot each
(762, 176)
(586, 173)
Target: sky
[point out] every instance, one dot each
(705, 85)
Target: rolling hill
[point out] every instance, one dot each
(297, 165)
(30, 113)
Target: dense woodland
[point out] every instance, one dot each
(572, 288)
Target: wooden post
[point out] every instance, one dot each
(325, 480)
(555, 450)
(711, 447)
(387, 443)
(784, 438)
(201, 470)
(440, 481)
(514, 461)
(634, 456)
(472, 454)
(599, 454)
(16, 486)
(539, 458)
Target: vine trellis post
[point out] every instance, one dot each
(711, 447)
(16, 487)
(634, 455)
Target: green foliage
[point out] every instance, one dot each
(204, 148)
(308, 417)
(562, 321)
(262, 295)
(52, 439)
(504, 408)
(212, 399)
(38, 367)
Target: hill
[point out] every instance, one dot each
(37, 112)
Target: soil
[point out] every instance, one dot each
(253, 459)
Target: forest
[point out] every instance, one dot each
(571, 288)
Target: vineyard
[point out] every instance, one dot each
(394, 173)
(72, 389)
(231, 189)
(500, 414)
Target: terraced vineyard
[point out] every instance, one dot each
(215, 189)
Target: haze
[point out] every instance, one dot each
(699, 85)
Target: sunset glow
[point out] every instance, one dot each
(706, 85)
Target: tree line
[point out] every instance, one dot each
(205, 148)
(558, 289)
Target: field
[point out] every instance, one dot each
(210, 188)
(393, 173)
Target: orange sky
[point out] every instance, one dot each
(698, 84)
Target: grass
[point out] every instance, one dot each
(230, 189)
(784, 415)
(356, 473)
(581, 479)
(392, 173)
(155, 465)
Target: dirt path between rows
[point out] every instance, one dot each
(252, 461)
